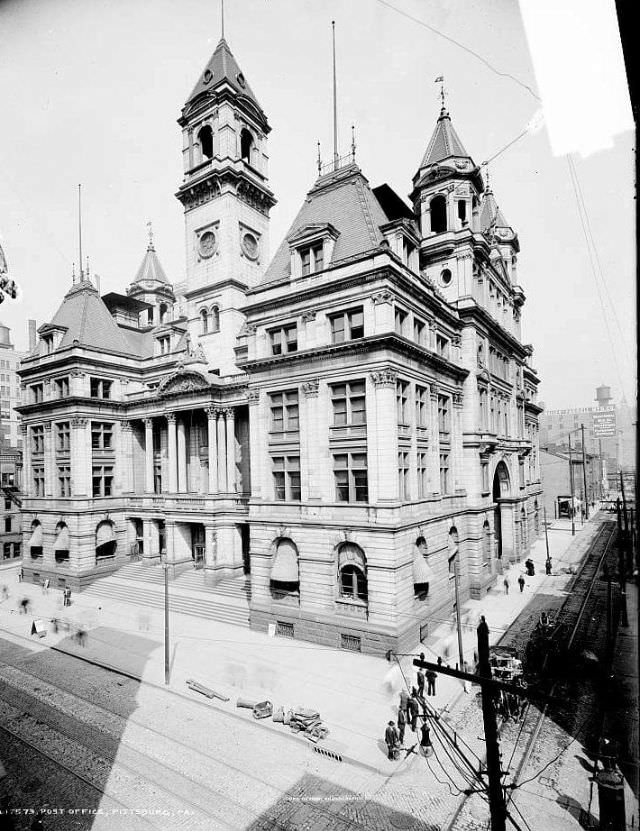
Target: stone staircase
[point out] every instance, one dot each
(143, 586)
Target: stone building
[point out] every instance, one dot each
(10, 445)
(352, 423)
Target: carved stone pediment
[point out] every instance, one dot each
(184, 380)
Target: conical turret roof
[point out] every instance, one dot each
(223, 67)
(491, 213)
(151, 268)
(444, 142)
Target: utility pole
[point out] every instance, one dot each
(573, 507)
(584, 476)
(546, 534)
(456, 574)
(167, 666)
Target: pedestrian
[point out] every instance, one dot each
(391, 739)
(547, 566)
(425, 736)
(5, 593)
(81, 635)
(67, 596)
(24, 605)
(55, 623)
(431, 681)
(506, 585)
(521, 583)
(404, 703)
(402, 723)
(439, 661)
(20, 575)
(420, 683)
(414, 709)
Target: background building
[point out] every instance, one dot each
(555, 466)
(10, 448)
(353, 423)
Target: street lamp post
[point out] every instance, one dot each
(584, 476)
(573, 501)
(167, 669)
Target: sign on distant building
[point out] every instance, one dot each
(604, 422)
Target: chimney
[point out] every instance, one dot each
(32, 335)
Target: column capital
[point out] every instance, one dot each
(229, 412)
(311, 388)
(384, 378)
(310, 314)
(125, 425)
(23, 429)
(434, 391)
(79, 422)
(77, 373)
(457, 399)
(47, 426)
(384, 296)
(148, 422)
(253, 397)
(211, 411)
(171, 417)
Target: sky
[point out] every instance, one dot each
(91, 90)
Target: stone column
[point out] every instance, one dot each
(172, 452)
(49, 461)
(182, 456)
(230, 415)
(125, 457)
(257, 446)
(310, 461)
(434, 442)
(80, 458)
(27, 485)
(222, 456)
(456, 464)
(385, 465)
(209, 545)
(148, 455)
(213, 450)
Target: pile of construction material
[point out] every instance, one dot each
(299, 719)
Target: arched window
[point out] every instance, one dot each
(246, 145)
(438, 209)
(205, 138)
(285, 572)
(462, 211)
(352, 568)
(422, 574)
(106, 542)
(150, 315)
(204, 321)
(163, 312)
(486, 542)
(61, 545)
(215, 319)
(35, 540)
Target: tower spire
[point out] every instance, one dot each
(443, 107)
(335, 104)
(150, 247)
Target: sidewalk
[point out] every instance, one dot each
(355, 694)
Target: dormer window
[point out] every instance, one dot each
(164, 344)
(312, 258)
(48, 343)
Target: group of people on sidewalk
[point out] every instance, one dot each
(409, 713)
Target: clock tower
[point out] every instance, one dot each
(227, 199)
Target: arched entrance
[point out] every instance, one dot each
(501, 489)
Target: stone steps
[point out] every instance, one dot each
(191, 581)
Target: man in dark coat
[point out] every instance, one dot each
(431, 681)
(521, 582)
(425, 736)
(402, 723)
(420, 683)
(414, 709)
(391, 739)
(404, 703)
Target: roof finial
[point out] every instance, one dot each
(440, 80)
(87, 269)
(319, 161)
(80, 229)
(335, 105)
(150, 232)
(353, 144)
(222, 19)
(73, 273)
(486, 167)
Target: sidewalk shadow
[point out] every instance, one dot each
(313, 802)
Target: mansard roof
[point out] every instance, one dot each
(344, 200)
(223, 67)
(444, 142)
(151, 268)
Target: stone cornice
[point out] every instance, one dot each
(496, 330)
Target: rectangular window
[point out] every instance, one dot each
(64, 480)
(7, 524)
(6, 550)
(422, 406)
(419, 331)
(164, 345)
(403, 476)
(312, 258)
(37, 393)
(37, 439)
(492, 413)
(284, 339)
(286, 478)
(444, 473)
(444, 420)
(101, 435)
(349, 404)
(38, 481)
(100, 388)
(7, 504)
(284, 411)
(63, 437)
(62, 387)
(482, 395)
(347, 326)
(102, 477)
(422, 474)
(284, 629)
(521, 472)
(352, 643)
(402, 396)
(157, 477)
(400, 321)
(350, 473)
(485, 477)
(442, 346)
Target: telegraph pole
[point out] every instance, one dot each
(456, 574)
(573, 507)
(167, 661)
(546, 533)
(584, 476)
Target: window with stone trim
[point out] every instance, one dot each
(62, 387)
(63, 437)
(350, 474)
(482, 398)
(444, 473)
(37, 393)
(100, 388)
(284, 339)
(444, 414)
(420, 332)
(37, 439)
(422, 406)
(284, 411)
(101, 435)
(38, 480)
(312, 258)
(286, 478)
(102, 480)
(422, 467)
(349, 404)
(401, 321)
(402, 397)
(442, 345)
(64, 480)
(347, 325)
(403, 476)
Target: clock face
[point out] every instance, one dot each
(207, 244)
(250, 246)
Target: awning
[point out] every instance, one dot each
(422, 571)
(105, 534)
(36, 537)
(285, 563)
(62, 539)
(351, 554)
